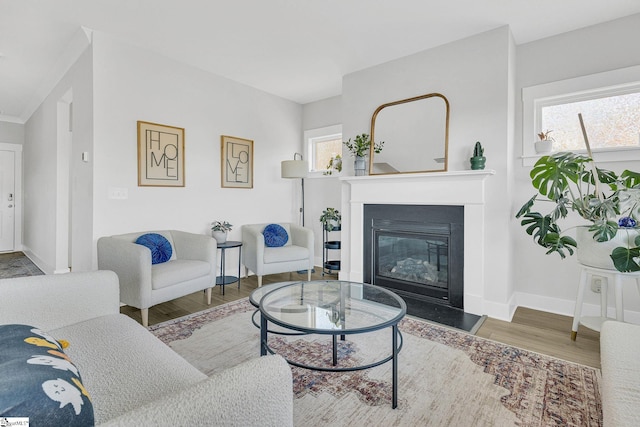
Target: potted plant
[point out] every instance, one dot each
(219, 230)
(359, 148)
(478, 160)
(545, 144)
(331, 219)
(608, 202)
(334, 164)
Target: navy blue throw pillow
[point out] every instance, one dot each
(158, 245)
(38, 381)
(275, 236)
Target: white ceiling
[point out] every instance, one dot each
(297, 49)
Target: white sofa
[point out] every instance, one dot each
(620, 364)
(133, 378)
(295, 255)
(192, 268)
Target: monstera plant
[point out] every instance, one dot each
(568, 182)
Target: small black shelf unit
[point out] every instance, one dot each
(330, 265)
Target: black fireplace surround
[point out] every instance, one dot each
(416, 251)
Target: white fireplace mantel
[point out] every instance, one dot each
(456, 188)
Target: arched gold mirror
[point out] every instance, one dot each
(415, 132)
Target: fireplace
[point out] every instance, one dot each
(464, 189)
(416, 251)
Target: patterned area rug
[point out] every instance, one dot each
(446, 377)
(16, 264)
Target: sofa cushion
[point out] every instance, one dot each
(124, 366)
(275, 236)
(177, 271)
(620, 361)
(285, 254)
(39, 381)
(159, 246)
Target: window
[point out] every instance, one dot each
(610, 121)
(610, 107)
(324, 149)
(322, 145)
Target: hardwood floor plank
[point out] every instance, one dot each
(556, 343)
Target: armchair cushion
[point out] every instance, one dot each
(159, 246)
(285, 254)
(180, 270)
(39, 381)
(275, 236)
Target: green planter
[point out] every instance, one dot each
(477, 163)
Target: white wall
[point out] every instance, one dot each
(475, 74)
(545, 281)
(41, 174)
(132, 84)
(11, 133)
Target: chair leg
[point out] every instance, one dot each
(145, 316)
(309, 275)
(209, 296)
(259, 281)
(584, 275)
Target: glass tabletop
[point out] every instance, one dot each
(329, 306)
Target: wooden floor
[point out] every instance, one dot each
(533, 330)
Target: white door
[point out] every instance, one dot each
(7, 201)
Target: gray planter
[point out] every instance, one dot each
(360, 166)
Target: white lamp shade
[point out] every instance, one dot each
(294, 169)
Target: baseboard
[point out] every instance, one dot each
(500, 311)
(46, 268)
(567, 307)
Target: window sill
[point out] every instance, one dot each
(320, 175)
(609, 155)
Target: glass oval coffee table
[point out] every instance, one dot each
(334, 308)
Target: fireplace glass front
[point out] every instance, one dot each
(416, 251)
(421, 260)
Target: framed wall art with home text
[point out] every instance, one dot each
(236, 162)
(160, 155)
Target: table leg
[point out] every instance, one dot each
(222, 264)
(343, 317)
(335, 349)
(394, 399)
(239, 260)
(263, 335)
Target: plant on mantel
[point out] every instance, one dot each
(361, 145)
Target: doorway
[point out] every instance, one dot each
(7, 201)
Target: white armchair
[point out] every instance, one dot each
(192, 268)
(295, 255)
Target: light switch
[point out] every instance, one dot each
(85, 156)
(118, 193)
